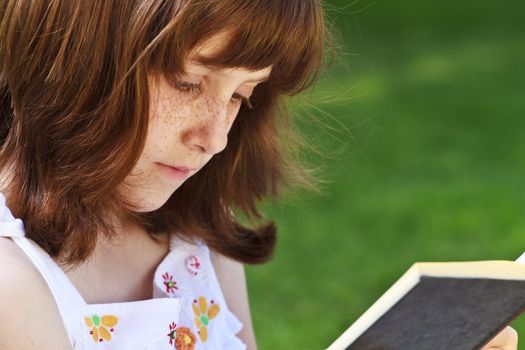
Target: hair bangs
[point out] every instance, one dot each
(287, 35)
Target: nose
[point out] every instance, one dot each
(210, 132)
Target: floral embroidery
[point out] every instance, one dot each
(98, 325)
(170, 284)
(203, 315)
(193, 265)
(182, 337)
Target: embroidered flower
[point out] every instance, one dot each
(193, 265)
(170, 284)
(182, 337)
(98, 325)
(203, 315)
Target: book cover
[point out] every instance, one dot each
(441, 306)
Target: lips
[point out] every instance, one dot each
(177, 172)
(182, 168)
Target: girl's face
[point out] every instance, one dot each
(189, 121)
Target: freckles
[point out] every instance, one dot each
(211, 107)
(171, 111)
(217, 112)
(175, 115)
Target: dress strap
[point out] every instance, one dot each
(9, 226)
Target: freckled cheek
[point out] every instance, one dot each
(168, 120)
(162, 132)
(171, 113)
(174, 114)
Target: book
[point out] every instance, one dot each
(448, 305)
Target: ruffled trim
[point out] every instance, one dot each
(234, 326)
(9, 225)
(233, 322)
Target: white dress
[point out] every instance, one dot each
(188, 310)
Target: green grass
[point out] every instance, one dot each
(429, 131)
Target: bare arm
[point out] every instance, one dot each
(233, 283)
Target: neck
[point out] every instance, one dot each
(121, 268)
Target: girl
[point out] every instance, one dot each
(130, 129)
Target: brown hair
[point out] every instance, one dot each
(74, 101)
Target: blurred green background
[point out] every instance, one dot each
(426, 162)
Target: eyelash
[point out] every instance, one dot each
(197, 89)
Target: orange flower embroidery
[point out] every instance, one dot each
(98, 325)
(203, 315)
(182, 337)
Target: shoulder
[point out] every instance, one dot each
(15, 270)
(231, 276)
(29, 317)
(225, 265)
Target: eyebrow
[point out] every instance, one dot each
(199, 59)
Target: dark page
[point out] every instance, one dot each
(446, 313)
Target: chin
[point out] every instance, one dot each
(151, 202)
(148, 208)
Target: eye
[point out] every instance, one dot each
(187, 87)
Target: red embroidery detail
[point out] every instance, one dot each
(170, 284)
(172, 334)
(193, 265)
